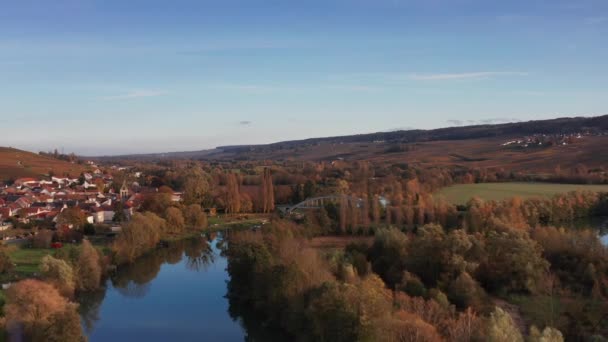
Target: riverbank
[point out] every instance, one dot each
(176, 288)
(27, 260)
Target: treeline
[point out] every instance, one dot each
(244, 187)
(561, 209)
(412, 208)
(557, 276)
(146, 229)
(309, 296)
(45, 309)
(72, 158)
(239, 190)
(468, 258)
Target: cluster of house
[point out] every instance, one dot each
(546, 140)
(28, 200)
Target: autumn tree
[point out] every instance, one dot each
(73, 217)
(88, 268)
(195, 217)
(175, 222)
(376, 210)
(196, 186)
(389, 254)
(100, 184)
(465, 292)
(156, 202)
(548, 334)
(138, 236)
(406, 326)
(267, 191)
(501, 328)
(65, 326)
(513, 262)
(41, 313)
(233, 196)
(59, 273)
(344, 209)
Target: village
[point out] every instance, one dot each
(39, 203)
(548, 140)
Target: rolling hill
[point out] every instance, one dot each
(16, 163)
(470, 146)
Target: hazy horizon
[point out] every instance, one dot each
(115, 77)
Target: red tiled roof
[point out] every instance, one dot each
(5, 212)
(25, 179)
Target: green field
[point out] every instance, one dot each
(27, 260)
(462, 193)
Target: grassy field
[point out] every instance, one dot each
(27, 260)
(462, 193)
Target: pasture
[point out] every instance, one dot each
(462, 193)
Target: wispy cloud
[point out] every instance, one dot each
(134, 94)
(245, 123)
(455, 122)
(378, 80)
(263, 88)
(490, 121)
(464, 75)
(397, 129)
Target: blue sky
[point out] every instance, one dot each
(126, 76)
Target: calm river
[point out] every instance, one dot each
(173, 294)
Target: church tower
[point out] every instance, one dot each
(124, 191)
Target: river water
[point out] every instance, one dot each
(173, 294)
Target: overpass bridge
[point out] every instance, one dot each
(319, 202)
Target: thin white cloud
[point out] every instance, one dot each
(490, 121)
(464, 75)
(262, 88)
(134, 94)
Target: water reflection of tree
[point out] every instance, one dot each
(256, 323)
(132, 280)
(199, 253)
(90, 304)
(174, 252)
